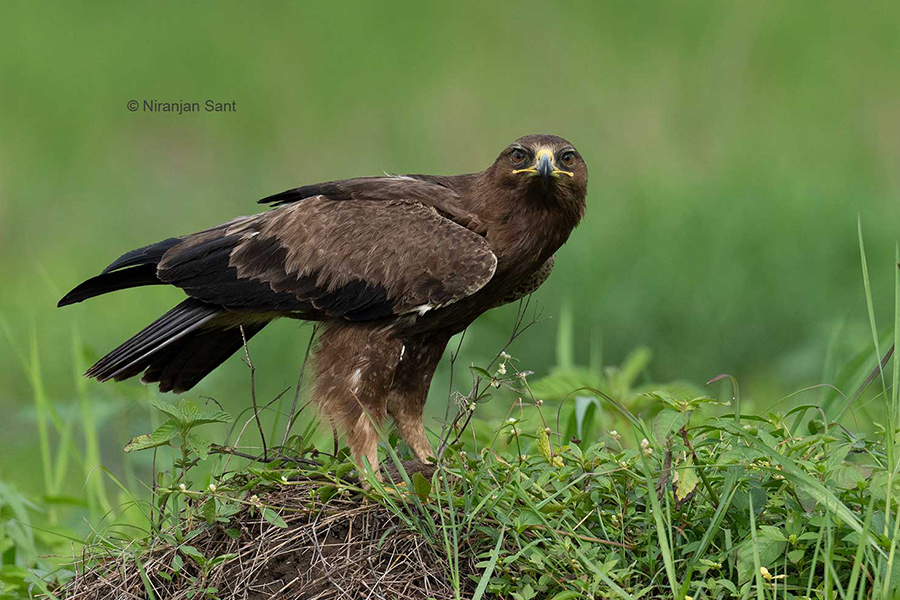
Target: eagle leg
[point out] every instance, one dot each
(354, 368)
(419, 357)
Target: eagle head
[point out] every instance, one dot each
(543, 167)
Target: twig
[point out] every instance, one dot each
(290, 421)
(253, 393)
(477, 392)
(453, 357)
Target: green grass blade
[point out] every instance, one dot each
(757, 567)
(662, 532)
(489, 571)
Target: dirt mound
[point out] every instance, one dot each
(345, 547)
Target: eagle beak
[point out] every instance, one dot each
(544, 166)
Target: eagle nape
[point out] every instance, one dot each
(392, 266)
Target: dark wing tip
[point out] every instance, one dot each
(285, 197)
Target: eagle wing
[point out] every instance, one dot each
(318, 257)
(428, 190)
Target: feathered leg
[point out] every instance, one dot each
(354, 370)
(419, 357)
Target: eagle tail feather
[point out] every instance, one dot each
(182, 365)
(132, 269)
(136, 354)
(110, 282)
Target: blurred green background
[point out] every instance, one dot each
(731, 147)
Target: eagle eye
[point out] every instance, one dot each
(568, 158)
(518, 155)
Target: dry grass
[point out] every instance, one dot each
(345, 547)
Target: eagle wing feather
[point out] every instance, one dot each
(322, 257)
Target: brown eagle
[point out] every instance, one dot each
(394, 266)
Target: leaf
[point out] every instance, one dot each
(160, 437)
(769, 551)
(212, 416)
(421, 486)
(687, 479)
(198, 445)
(586, 409)
(233, 533)
(188, 410)
(169, 409)
(215, 562)
(667, 422)
(209, 511)
(177, 563)
(795, 555)
(480, 373)
(192, 552)
(273, 517)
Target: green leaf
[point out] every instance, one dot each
(213, 416)
(198, 445)
(215, 562)
(166, 431)
(192, 552)
(668, 422)
(160, 437)
(480, 373)
(273, 517)
(169, 409)
(421, 486)
(769, 552)
(177, 563)
(209, 510)
(795, 555)
(188, 410)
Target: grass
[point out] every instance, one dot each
(587, 482)
(591, 484)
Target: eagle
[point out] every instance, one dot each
(392, 267)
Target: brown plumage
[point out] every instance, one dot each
(394, 266)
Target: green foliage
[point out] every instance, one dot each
(737, 509)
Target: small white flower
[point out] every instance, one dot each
(212, 487)
(505, 356)
(515, 431)
(522, 458)
(547, 430)
(645, 443)
(254, 499)
(471, 407)
(495, 383)
(501, 370)
(284, 479)
(538, 402)
(511, 420)
(523, 375)
(182, 487)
